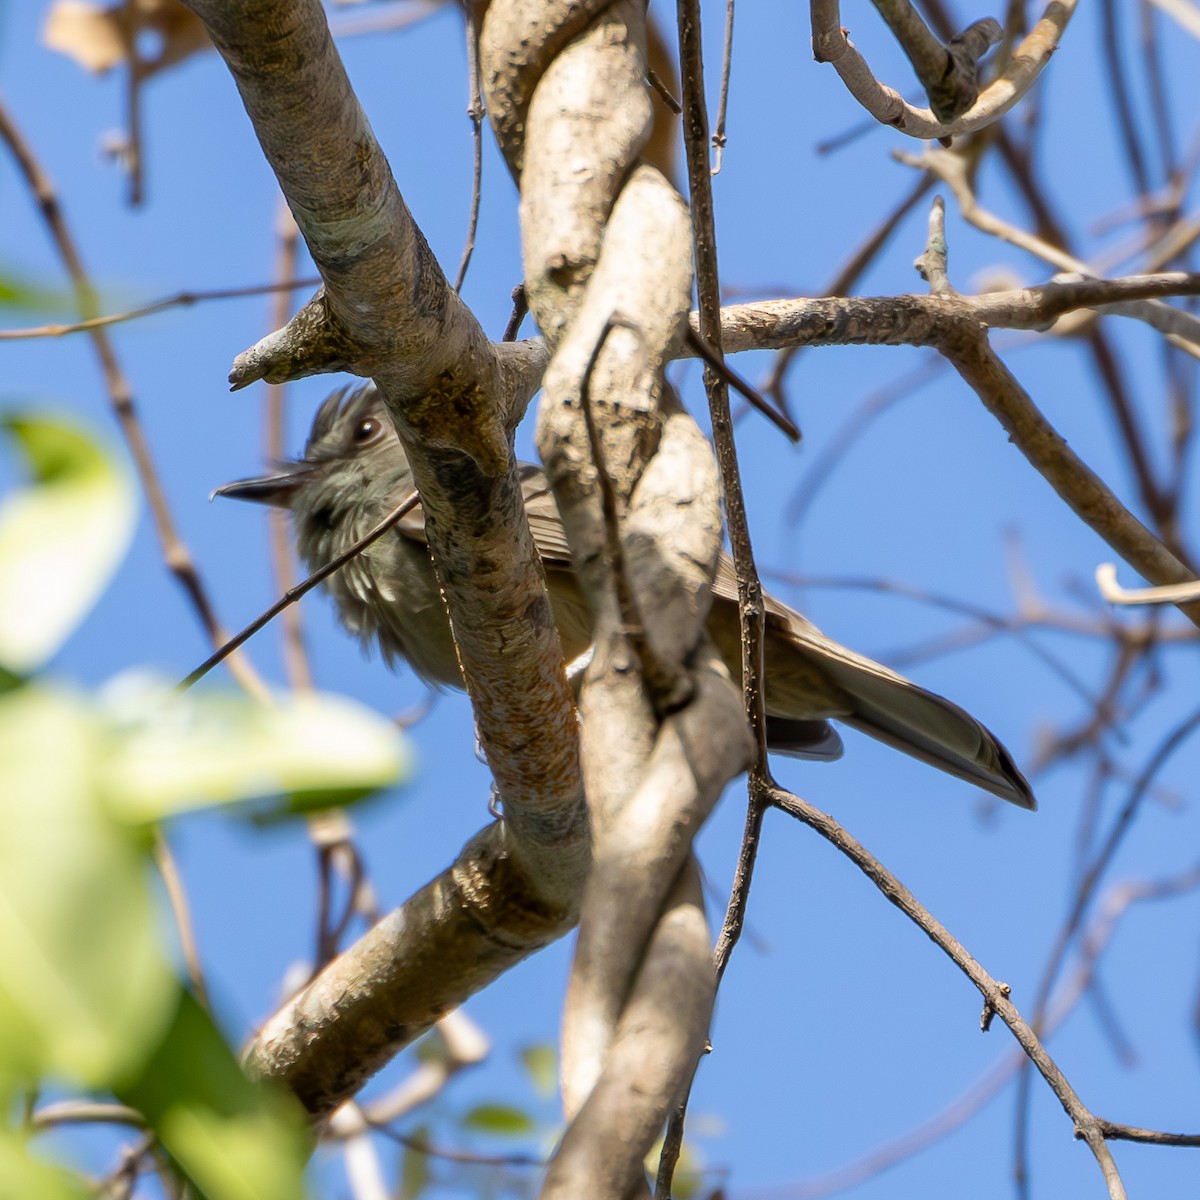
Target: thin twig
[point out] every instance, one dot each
(179, 300)
(1114, 593)
(968, 1103)
(1152, 1137)
(85, 1112)
(295, 654)
(476, 113)
(836, 447)
(848, 276)
(1085, 892)
(300, 590)
(717, 363)
(1117, 88)
(422, 1145)
(168, 870)
(1087, 1126)
(664, 92)
(932, 266)
(175, 553)
(520, 310)
(718, 136)
(1016, 625)
(334, 853)
(707, 342)
(135, 74)
(665, 685)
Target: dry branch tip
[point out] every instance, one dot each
(307, 345)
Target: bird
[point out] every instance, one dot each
(354, 471)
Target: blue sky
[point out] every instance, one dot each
(839, 1025)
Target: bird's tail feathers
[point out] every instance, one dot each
(814, 740)
(922, 724)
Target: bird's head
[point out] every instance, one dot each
(352, 467)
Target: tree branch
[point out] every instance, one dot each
(995, 995)
(386, 311)
(831, 44)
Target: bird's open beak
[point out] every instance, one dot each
(266, 489)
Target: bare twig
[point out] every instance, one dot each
(300, 590)
(1087, 1126)
(85, 1112)
(1114, 593)
(295, 653)
(950, 73)
(966, 1105)
(663, 92)
(168, 869)
(831, 44)
(132, 156)
(668, 687)
(476, 113)
(1087, 494)
(1085, 892)
(718, 135)
(846, 280)
(175, 553)
(179, 300)
(750, 594)
(932, 265)
(1152, 1137)
(716, 363)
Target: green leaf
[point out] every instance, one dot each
(22, 1175)
(541, 1065)
(22, 295)
(414, 1167)
(234, 1139)
(500, 1120)
(84, 988)
(61, 536)
(173, 752)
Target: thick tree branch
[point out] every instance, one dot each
(1083, 490)
(386, 311)
(636, 487)
(949, 73)
(455, 936)
(831, 44)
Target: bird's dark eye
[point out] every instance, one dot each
(367, 430)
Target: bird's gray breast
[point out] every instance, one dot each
(394, 583)
(388, 594)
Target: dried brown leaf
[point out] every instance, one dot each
(97, 38)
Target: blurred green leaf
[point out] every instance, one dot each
(61, 536)
(501, 1120)
(431, 1048)
(686, 1182)
(233, 1138)
(22, 1175)
(84, 989)
(541, 1065)
(172, 752)
(24, 296)
(414, 1167)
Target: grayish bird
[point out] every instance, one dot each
(354, 472)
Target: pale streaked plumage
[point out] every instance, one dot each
(354, 472)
